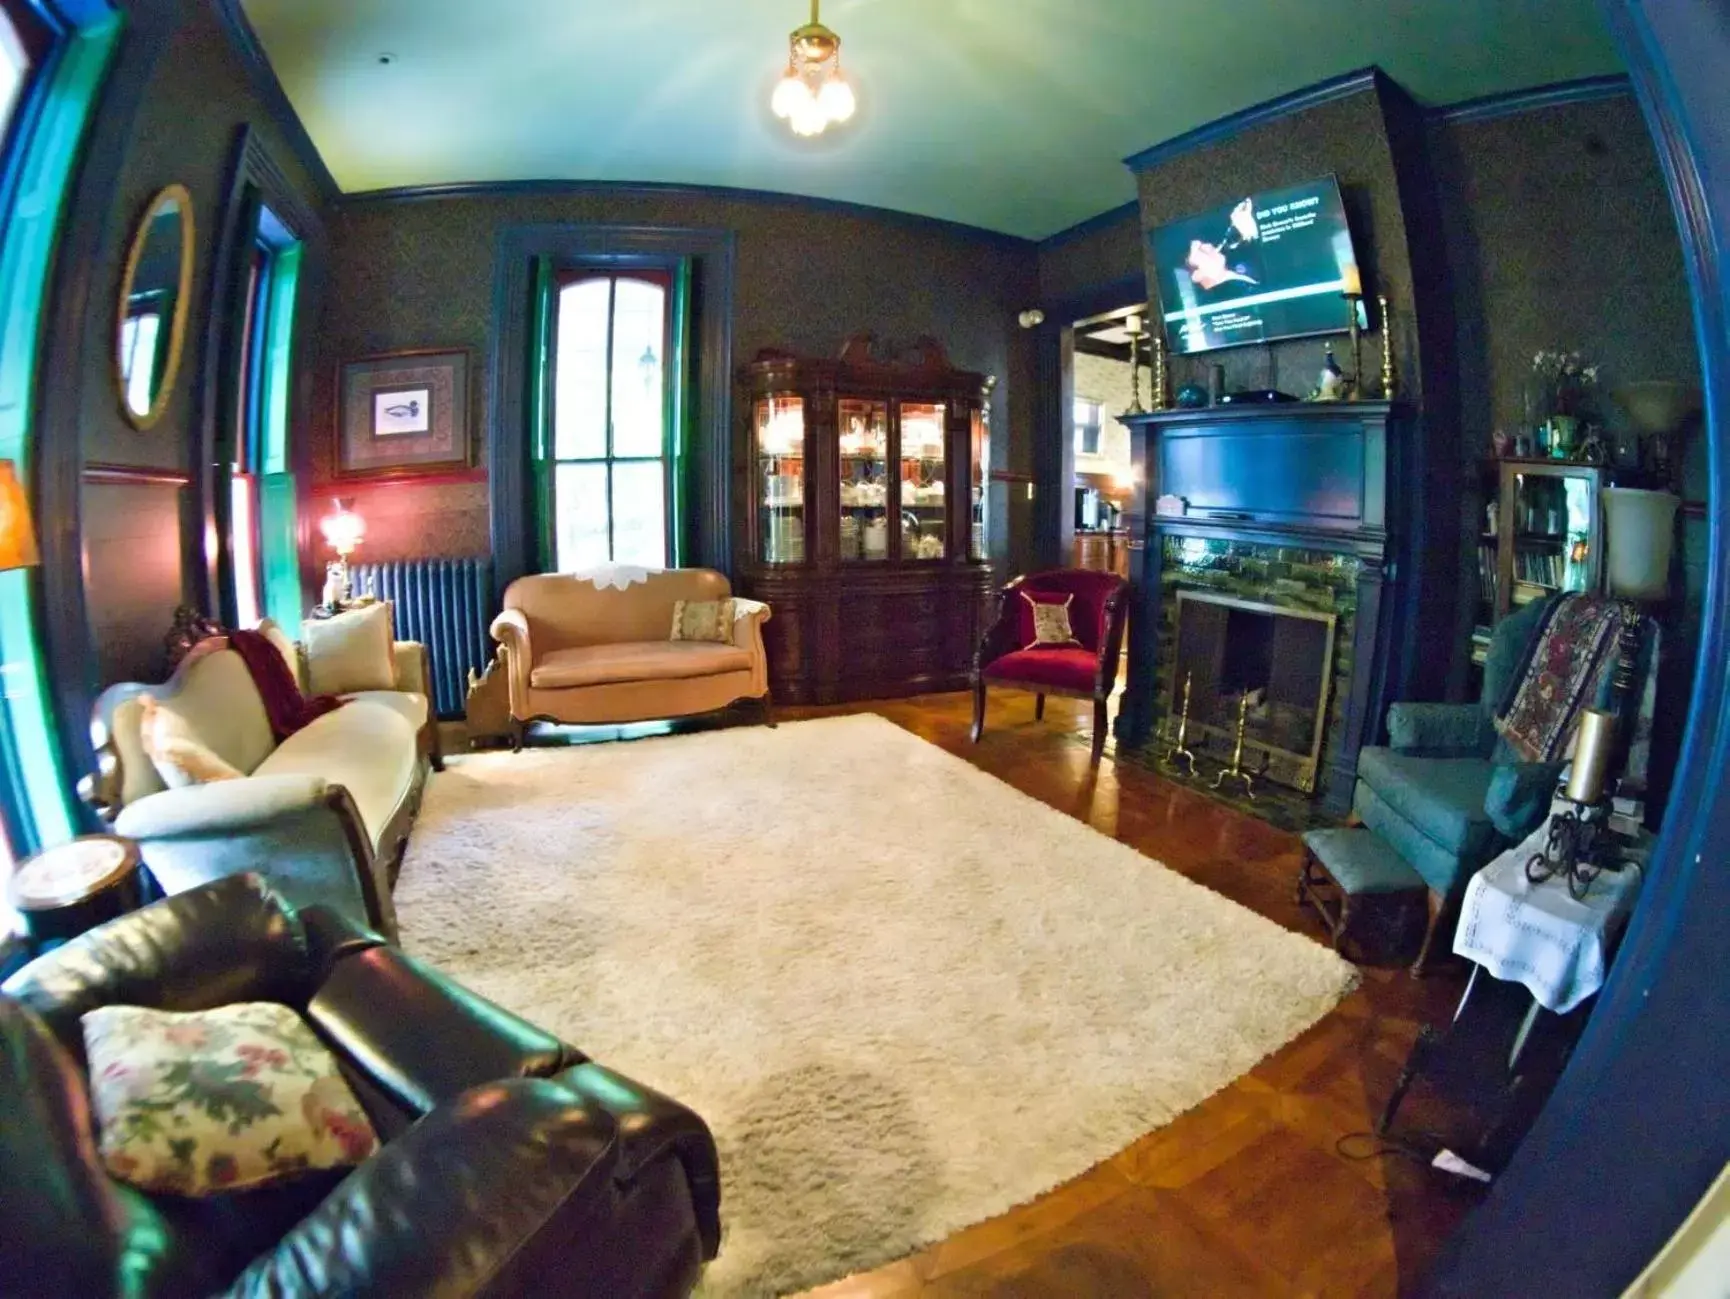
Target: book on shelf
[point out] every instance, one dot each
(1487, 572)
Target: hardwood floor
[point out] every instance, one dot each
(1248, 1194)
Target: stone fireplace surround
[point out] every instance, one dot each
(1303, 504)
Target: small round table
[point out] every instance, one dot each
(65, 890)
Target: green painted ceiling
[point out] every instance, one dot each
(1008, 114)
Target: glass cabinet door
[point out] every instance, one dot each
(864, 454)
(1553, 535)
(922, 488)
(978, 540)
(780, 423)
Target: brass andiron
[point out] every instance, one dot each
(1387, 349)
(1236, 771)
(1177, 750)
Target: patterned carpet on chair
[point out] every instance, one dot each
(905, 996)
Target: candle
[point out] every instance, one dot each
(1352, 282)
(1593, 747)
(1133, 325)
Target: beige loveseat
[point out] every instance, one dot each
(596, 649)
(324, 815)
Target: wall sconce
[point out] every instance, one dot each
(343, 531)
(17, 531)
(1031, 319)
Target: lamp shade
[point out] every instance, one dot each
(343, 529)
(17, 532)
(1642, 533)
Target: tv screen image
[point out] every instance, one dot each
(1261, 267)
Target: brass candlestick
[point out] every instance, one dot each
(1387, 348)
(1236, 771)
(1177, 749)
(1352, 301)
(1160, 378)
(1135, 335)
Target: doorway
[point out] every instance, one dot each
(1101, 384)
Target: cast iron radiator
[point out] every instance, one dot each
(446, 605)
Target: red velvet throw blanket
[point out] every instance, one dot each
(287, 709)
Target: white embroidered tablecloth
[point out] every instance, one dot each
(1537, 934)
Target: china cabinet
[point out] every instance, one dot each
(862, 498)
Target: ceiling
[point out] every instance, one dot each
(1013, 115)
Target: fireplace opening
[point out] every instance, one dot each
(1280, 659)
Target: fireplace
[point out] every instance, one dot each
(1290, 543)
(1282, 660)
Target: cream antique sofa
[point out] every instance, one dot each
(596, 649)
(324, 815)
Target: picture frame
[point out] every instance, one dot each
(403, 414)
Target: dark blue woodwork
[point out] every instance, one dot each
(1322, 476)
(1639, 1125)
(661, 247)
(1524, 101)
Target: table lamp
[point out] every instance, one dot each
(343, 531)
(17, 532)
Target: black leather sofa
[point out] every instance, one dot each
(511, 1164)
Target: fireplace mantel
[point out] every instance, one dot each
(1340, 477)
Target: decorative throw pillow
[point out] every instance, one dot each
(218, 1100)
(1050, 622)
(351, 652)
(710, 620)
(180, 757)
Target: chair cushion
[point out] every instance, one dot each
(1091, 590)
(1050, 621)
(669, 660)
(350, 652)
(366, 747)
(1361, 861)
(180, 757)
(1443, 797)
(704, 620)
(1062, 669)
(218, 1100)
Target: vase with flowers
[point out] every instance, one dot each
(1564, 381)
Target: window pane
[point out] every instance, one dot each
(580, 506)
(138, 340)
(923, 492)
(639, 344)
(640, 513)
(14, 69)
(580, 363)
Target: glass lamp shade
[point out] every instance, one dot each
(17, 532)
(791, 96)
(343, 530)
(1641, 529)
(836, 100)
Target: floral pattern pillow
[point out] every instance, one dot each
(218, 1100)
(710, 620)
(1051, 624)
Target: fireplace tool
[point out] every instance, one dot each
(1236, 770)
(1178, 749)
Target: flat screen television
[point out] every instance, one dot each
(1263, 266)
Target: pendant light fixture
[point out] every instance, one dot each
(813, 95)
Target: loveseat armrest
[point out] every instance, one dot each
(232, 940)
(1520, 796)
(422, 1038)
(304, 834)
(488, 1195)
(1440, 730)
(412, 673)
(749, 617)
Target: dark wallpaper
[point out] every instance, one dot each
(420, 274)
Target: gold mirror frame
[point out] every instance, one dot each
(182, 304)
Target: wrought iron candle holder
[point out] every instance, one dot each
(1178, 749)
(1236, 770)
(1161, 374)
(1580, 848)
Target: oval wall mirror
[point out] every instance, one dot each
(154, 300)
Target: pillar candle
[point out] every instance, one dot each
(1594, 746)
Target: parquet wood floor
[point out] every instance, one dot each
(1247, 1194)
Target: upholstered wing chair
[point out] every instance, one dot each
(511, 1164)
(1008, 654)
(1448, 792)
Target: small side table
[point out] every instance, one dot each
(66, 890)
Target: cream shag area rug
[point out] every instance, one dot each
(905, 996)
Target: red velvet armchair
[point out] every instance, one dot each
(1087, 669)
